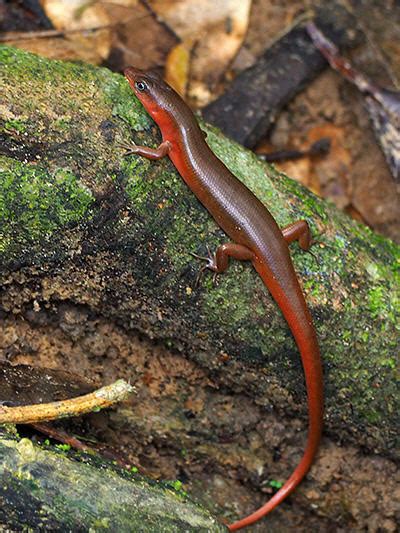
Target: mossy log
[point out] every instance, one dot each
(46, 490)
(81, 223)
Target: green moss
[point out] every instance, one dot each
(177, 489)
(34, 203)
(53, 491)
(138, 184)
(376, 300)
(63, 447)
(123, 104)
(15, 125)
(66, 120)
(64, 108)
(63, 123)
(275, 484)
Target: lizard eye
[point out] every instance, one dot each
(140, 86)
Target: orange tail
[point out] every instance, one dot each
(300, 323)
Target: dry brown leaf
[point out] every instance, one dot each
(93, 46)
(57, 48)
(177, 68)
(382, 104)
(211, 31)
(327, 176)
(139, 39)
(116, 32)
(330, 175)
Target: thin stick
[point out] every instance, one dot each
(44, 34)
(99, 399)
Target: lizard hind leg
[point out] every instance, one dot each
(146, 151)
(298, 231)
(218, 262)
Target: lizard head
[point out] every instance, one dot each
(150, 88)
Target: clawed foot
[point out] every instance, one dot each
(131, 148)
(322, 244)
(209, 265)
(313, 255)
(319, 242)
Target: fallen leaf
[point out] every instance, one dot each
(383, 105)
(177, 68)
(139, 38)
(72, 15)
(330, 175)
(211, 32)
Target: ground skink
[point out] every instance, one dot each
(255, 237)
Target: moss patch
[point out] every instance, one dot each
(34, 203)
(134, 223)
(52, 490)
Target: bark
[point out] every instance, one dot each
(250, 105)
(112, 237)
(52, 490)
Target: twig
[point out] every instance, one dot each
(99, 399)
(44, 34)
(62, 436)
